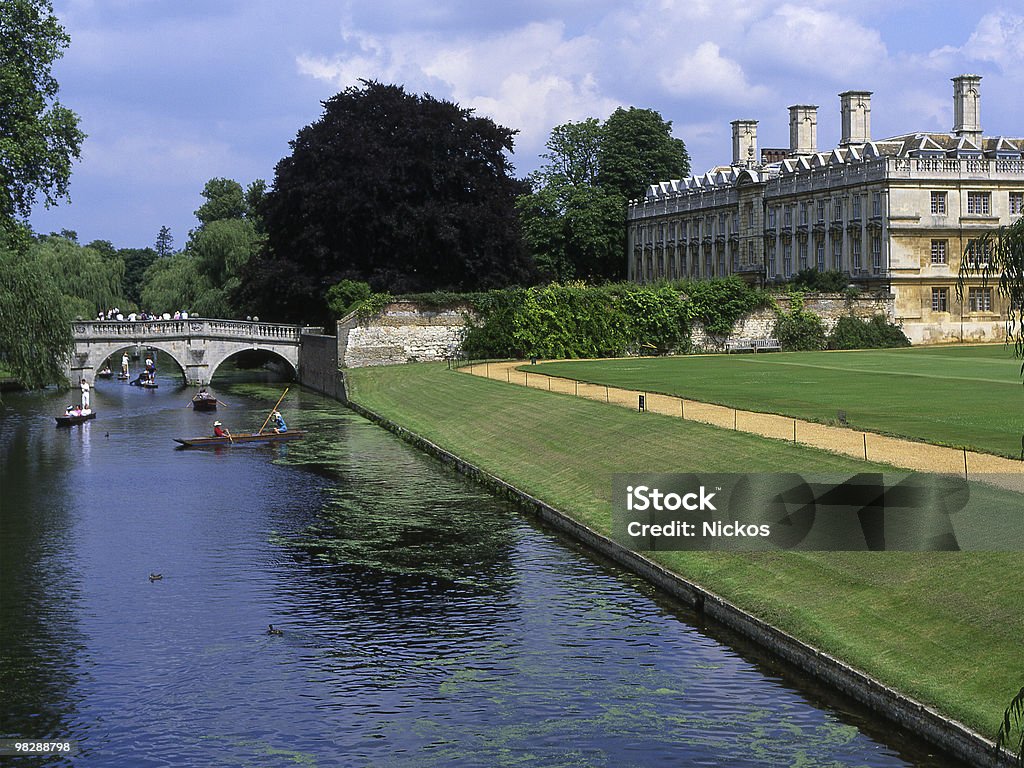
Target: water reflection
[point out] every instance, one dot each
(425, 623)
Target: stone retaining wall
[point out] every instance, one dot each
(760, 324)
(402, 333)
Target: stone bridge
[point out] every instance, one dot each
(198, 345)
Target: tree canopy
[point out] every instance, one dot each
(574, 220)
(637, 149)
(203, 277)
(402, 191)
(39, 138)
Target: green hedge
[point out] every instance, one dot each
(576, 320)
(876, 333)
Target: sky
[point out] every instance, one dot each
(173, 93)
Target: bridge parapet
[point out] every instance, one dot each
(248, 330)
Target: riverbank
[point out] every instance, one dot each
(940, 627)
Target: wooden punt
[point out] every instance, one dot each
(241, 437)
(68, 419)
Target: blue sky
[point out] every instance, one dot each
(175, 92)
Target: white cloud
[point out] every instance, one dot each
(999, 38)
(530, 78)
(819, 43)
(705, 72)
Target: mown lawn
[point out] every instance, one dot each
(943, 627)
(969, 397)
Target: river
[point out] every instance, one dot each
(425, 623)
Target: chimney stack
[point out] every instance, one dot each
(744, 142)
(855, 108)
(803, 129)
(967, 107)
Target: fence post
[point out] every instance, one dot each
(865, 446)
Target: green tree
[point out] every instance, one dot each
(35, 322)
(173, 283)
(136, 262)
(86, 279)
(224, 200)
(637, 149)
(574, 220)
(39, 138)
(402, 191)
(164, 242)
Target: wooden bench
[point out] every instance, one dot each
(752, 345)
(739, 345)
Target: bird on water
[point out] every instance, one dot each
(272, 630)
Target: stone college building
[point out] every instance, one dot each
(895, 214)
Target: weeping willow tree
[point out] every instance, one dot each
(35, 322)
(998, 261)
(86, 279)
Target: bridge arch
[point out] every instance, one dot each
(198, 345)
(217, 363)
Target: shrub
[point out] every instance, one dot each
(831, 281)
(877, 333)
(342, 297)
(799, 329)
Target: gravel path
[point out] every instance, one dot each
(909, 454)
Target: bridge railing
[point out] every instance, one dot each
(95, 330)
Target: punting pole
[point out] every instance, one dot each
(273, 409)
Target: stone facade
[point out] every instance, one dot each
(897, 214)
(402, 333)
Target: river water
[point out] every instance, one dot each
(425, 623)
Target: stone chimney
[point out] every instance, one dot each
(803, 129)
(967, 107)
(855, 108)
(744, 142)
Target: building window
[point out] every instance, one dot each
(750, 215)
(837, 209)
(940, 299)
(979, 299)
(821, 212)
(787, 215)
(876, 254)
(787, 261)
(820, 254)
(939, 251)
(979, 203)
(939, 203)
(876, 204)
(771, 260)
(771, 218)
(856, 207)
(978, 253)
(735, 223)
(803, 214)
(837, 255)
(1016, 203)
(855, 247)
(803, 255)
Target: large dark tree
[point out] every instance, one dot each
(402, 191)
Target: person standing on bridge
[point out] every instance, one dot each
(85, 394)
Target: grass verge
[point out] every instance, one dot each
(942, 627)
(966, 397)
